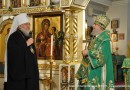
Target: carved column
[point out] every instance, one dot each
(75, 36)
(67, 36)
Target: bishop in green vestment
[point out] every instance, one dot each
(96, 69)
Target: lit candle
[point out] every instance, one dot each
(51, 44)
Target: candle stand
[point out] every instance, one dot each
(51, 63)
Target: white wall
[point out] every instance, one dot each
(128, 23)
(119, 10)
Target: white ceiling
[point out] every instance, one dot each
(107, 2)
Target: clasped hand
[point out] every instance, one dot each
(29, 41)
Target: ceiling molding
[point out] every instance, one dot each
(95, 8)
(103, 2)
(119, 2)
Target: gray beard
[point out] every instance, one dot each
(96, 32)
(25, 32)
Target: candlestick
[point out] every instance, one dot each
(51, 45)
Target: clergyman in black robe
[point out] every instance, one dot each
(22, 67)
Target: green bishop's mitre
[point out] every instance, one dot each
(102, 21)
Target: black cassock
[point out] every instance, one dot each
(22, 67)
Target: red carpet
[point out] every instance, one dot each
(119, 85)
